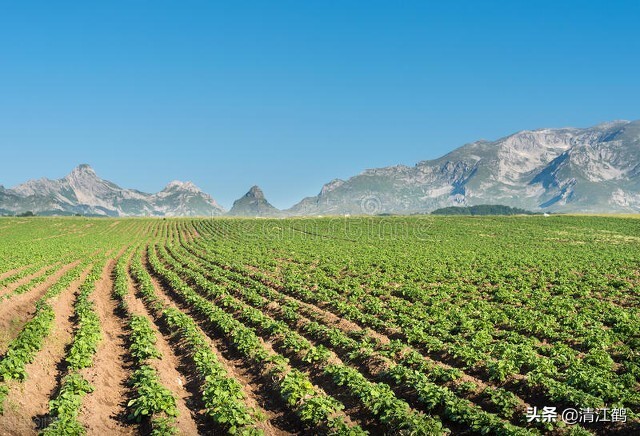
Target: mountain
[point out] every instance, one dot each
(253, 203)
(185, 199)
(594, 169)
(83, 192)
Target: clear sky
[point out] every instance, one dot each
(291, 94)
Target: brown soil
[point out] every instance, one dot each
(257, 398)
(374, 366)
(103, 411)
(28, 402)
(16, 311)
(24, 280)
(278, 418)
(330, 318)
(167, 372)
(11, 272)
(353, 412)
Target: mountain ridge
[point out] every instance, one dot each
(83, 192)
(590, 169)
(594, 169)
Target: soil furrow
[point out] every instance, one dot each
(280, 419)
(16, 311)
(28, 402)
(166, 367)
(103, 411)
(353, 412)
(12, 272)
(8, 289)
(371, 367)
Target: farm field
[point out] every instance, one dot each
(350, 326)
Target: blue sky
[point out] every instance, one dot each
(291, 94)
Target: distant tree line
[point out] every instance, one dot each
(6, 213)
(482, 209)
(30, 214)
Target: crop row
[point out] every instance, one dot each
(151, 401)
(421, 334)
(65, 407)
(378, 400)
(31, 269)
(456, 409)
(222, 395)
(312, 406)
(23, 348)
(33, 282)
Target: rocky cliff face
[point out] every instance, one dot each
(588, 170)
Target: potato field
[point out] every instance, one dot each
(341, 326)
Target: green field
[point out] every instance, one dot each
(389, 325)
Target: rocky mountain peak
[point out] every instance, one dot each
(84, 167)
(177, 185)
(255, 192)
(332, 185)
(82, 171)
(253, 203)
